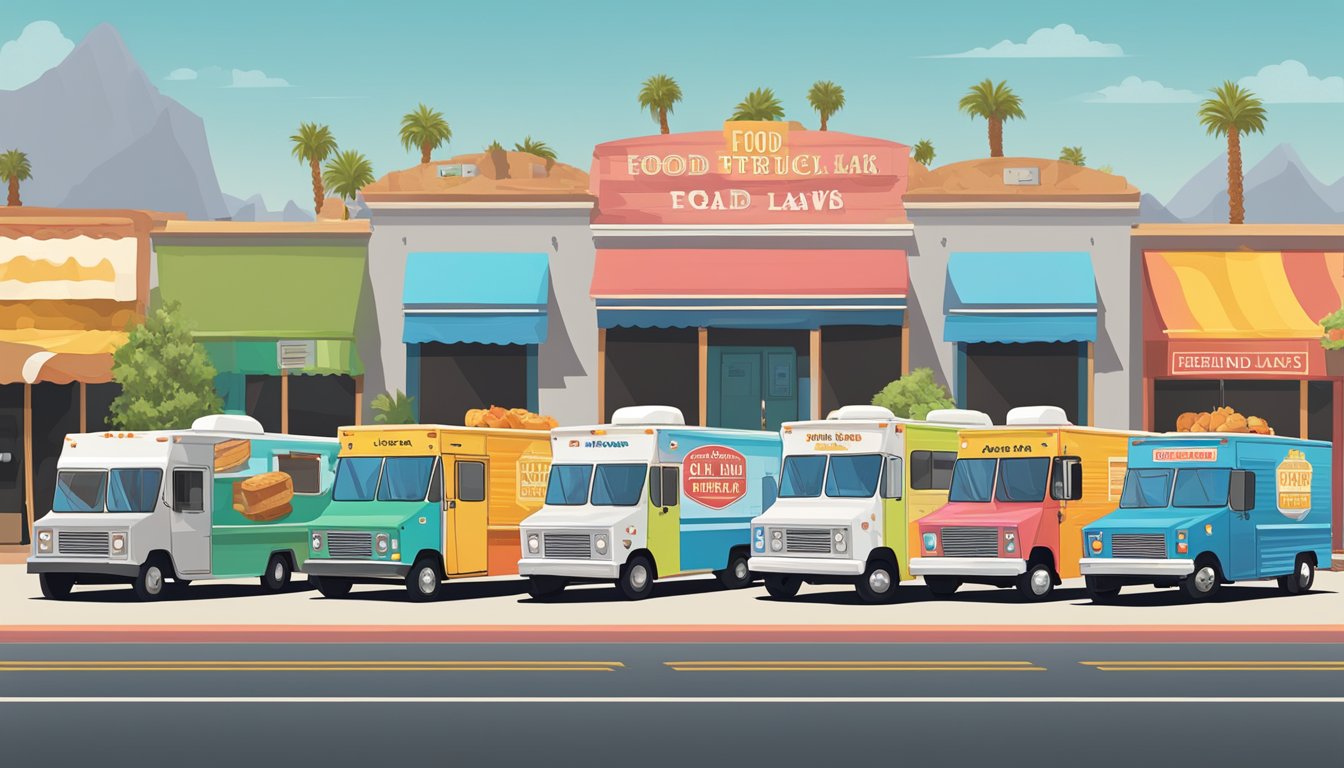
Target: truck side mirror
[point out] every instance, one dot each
(1241, 492)
(1068, 479)
(893, 479)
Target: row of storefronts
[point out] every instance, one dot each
(748, 276)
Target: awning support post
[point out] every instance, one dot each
(702, 374)
(602, 375)
(29, 515)
(1302, 408)
(284, 402)
(814, 371)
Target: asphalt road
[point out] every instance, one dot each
(656, 704)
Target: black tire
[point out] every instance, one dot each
(331, 587)
(543, 587)
(878, 583)
(1101, 590)
(278, 573)
(1203, 584)
(737, 575)
(56, 586)
(149, 582)
(636, 579)
(1300, 580)
(1037, 584)
(782, 586)
(424, 580)
(942, 586)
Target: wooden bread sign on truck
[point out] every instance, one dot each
(496, 417)
(1222, 420)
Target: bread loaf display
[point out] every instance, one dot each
(1223, 419)
(265, 497)
(232, 454)
(496, 417)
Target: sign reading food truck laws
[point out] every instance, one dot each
(714, 476)
(1283, 362)
(1184, 455)
(750, 173)
(1293, 485)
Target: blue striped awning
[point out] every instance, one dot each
(1019, 297)
(472, 297)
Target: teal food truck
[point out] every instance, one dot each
(1198, 512)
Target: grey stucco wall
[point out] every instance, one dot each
(1104, 234)
(567, 362)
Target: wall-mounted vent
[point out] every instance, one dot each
(457, 170)
(293, 355)
(1022, 177)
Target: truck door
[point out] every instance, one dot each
(1242, 540)
(665, 518)
(464, 499)
(192, 505)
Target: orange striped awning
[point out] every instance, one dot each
(1244, 294)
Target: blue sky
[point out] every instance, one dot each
(568, 72)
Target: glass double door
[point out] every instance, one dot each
(757, 387)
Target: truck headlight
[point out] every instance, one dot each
(1094, 542)
(381, 543)
(777, 542)
(930, 542)
(1010, 540)
(840, 544)
(317, 541)
(118, 545)
(45, 541)
(533, 543)
(600, 543)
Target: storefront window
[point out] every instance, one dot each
(568, 484)
(133, 490)
(618, 485)
(972, 480)
(406, 478)
(79, 492)
(853, 476)
(802, 477)
(356, 478)
(1145, 488)
(1201, 488)
(1022, 480)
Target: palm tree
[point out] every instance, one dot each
(312, 144)
(827, 98)
(536, 148)
(760, 104)
(424, 129)
(1232, 111)
(658, 95)
(347, 173)
(14, 168)
(924, 152)
(995, 103)
(1072, 156)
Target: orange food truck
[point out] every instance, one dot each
(1020, 497)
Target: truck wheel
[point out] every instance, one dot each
(1036, 584)
(423, 581)
(277, 573)
(878, 582)
(148, 583)
(331, 587)
(1101, 590)
(782, 586)
(1202, 584)
(542, 587)
(636, 579)
(1300, 580)
(942, 586)
(56, 586)
(737, 575)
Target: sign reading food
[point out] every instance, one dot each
(1184, 455)
(833, 441)
(714, 476)
(1293, 485)
(533, 468)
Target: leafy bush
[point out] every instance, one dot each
(166, 378)
(1334, 330)
(912, 396)
(395, 408)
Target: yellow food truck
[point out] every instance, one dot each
(425, 503)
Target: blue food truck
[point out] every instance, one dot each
(1198, 512)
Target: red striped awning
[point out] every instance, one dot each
(749, 273)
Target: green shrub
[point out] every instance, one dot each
(166, 378)
(912, 396)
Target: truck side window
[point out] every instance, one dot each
(470, 481)
(188, 490)
(931, 470)
(305, 469)
(655, 487)
(436, 483)
(671, 486)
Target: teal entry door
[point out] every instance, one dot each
(758, 387)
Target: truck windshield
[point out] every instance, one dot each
(1022, 479)
(1146, 488)
(853, 476)
(405, 478)
(79, 491)
(972, 480)
(568, 484)
(618, 485)
(133, 490)
(802, 477)
(1201, 488)
(356, 478)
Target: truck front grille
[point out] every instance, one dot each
(350, 544)
(573, 546)
(82, 542)
(971, 542)
(810, 541)
(1149, 545)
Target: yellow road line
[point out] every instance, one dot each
(853, 666)
(310, 666)
(1216, 666)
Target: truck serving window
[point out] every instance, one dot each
(618, 485)
(853, 476)
(972, 480)
(405, 478)
(356, 478)
(133, 490)
(1146, 488)
(1201, 488)
(931, 470)
(802, 477)
(567, 485)
(1022, 479)
(304, 469)
(79, 491)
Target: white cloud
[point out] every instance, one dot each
(1046, 43)
(1290, 82)
(38, 48)
(1136, 90)
(255, 78)
(182, 73)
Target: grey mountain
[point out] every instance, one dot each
(1279, 189)
(254, 209)
(1151, 211)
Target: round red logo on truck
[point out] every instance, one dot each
(714, 476)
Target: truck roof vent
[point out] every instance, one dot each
(1037, 416)
(649, 414)
(959, 416)
(863, 412)
(228, 422)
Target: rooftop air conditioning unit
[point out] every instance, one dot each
(664, 415)
(1037, 416)
(959, 416)
(861, 412)
(228, 422)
